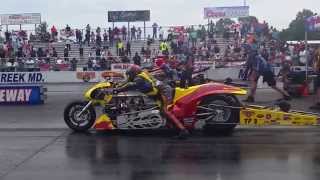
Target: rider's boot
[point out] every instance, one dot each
(184, 133)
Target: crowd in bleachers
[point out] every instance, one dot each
(229, 43)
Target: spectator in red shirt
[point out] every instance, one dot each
(54, 32)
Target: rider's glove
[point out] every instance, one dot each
(115, 91)
(100, 94)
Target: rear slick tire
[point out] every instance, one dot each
(88, 116)
(232, 116)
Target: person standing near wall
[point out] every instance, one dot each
(316, 69)
(261, 67)
(155, 29)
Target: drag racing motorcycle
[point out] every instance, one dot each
(209, 107)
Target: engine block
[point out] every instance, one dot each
(135, 111)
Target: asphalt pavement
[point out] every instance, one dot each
(35, 144)
(286, 154)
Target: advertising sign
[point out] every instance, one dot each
(113, 76)
(226, 12)
(313, 23)
(17, 19)
(21, 95)
(204, 64)
(21, 77)
(128, 16)
(86, 76)
(120, 67)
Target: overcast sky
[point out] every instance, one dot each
(77, 13)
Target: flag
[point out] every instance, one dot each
(312, 23)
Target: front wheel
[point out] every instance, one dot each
(80, 123)
(219, 113)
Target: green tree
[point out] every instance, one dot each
(248, 19)
(296, 29)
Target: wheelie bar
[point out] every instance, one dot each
(251, 115)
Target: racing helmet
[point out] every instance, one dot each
(133, 71)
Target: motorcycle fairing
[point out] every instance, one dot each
(186, 101)
(103, 123)
(101, 85)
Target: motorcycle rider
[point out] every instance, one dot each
(144, 82)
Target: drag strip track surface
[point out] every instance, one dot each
(249, 154)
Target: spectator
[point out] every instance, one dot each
(148, 53)
(187, 70)
(95, 65)
(66, 54)
(78, 32)
(92, 37)
(125, 59)
(87, 38)
(47, 55)
(116, 33)
(154, 28)
(143, 51)
(98, 53)
(90, 64)
(120, 48)
(164, 48)
(54, 33)
(133, 33)
(139, 32)
(149, 40)
(193, 37)
(137, 59)
(60, 61)
(68, 30)
(110, 59)
(161, 34)
(111, 37)
(128, 49)
(68, 43)
(103, 64)
(33, 53)
(155, 53)
(316, 69)
(124, 33)
(216, 49)
(54, 52)
(73, 64)
(105, 37)
(7, 34)
(98, 40)
(30, 64)
(81, 51)
(88, 29)
(40, 53)
(20, 52)
(98, 30)
(80, 37)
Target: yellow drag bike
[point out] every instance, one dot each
(208, 106)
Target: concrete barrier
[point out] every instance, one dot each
(95, 76)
